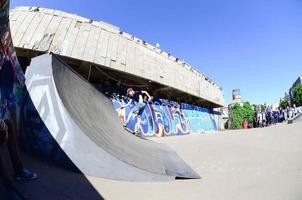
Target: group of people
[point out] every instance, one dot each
(269, 116)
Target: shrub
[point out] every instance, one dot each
(240, 113)
(283, 104)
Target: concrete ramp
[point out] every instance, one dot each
(84, 124)
(296, 118)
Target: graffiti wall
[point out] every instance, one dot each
(11, 76)
(16, 105)
(163, 118)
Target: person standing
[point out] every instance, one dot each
(10, 76)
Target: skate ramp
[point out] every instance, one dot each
(296, 118)
(86, 127)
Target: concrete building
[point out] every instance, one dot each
(100, 51)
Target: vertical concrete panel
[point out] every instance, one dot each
(70, 37)
(59, 37)
(100, 56)
(49, 34)
(13, 15)
(130, 60)
(148, 59)
(190, 82)
(105, 43)
(122, 50)
(108, 59)
(117, 63)
(92, 42)
(173, 74)
(109, 49)
(196, 85)
(149, 63)
(169, 73)
(182, 74)
(13, 22)
(112, 48)
(137, 59)
(40, 30)
(154, 74)
(81, 40)
(17, 23)
(25, 42)
(23, 27)
(139, 65)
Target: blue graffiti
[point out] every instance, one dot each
(163, 118)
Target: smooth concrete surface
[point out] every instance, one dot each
(53, 183)
(85, 125)
(254, 164)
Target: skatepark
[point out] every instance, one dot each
(263, 163)
(71, 133)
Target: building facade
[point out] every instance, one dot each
(91, 45)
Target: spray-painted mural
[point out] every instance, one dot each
(11, 76)
(16, 105)
(163, 118)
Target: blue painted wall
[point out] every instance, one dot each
(163, 118)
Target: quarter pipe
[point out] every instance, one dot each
(83, 123)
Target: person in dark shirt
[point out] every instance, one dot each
(8, 133)
(139, 97)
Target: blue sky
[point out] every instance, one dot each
(254, 45)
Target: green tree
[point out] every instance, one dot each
(240, 113)
(237, 116)
(297, 98)
(248, 112)
(283, 104)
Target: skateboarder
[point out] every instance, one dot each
(139, 97)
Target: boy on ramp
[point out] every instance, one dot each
(139, 108)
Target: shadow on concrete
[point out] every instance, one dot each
(53, 183)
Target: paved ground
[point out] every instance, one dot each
(245, 164)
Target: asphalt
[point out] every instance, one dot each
(262, 164)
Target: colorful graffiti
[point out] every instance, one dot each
(11, 77)
(163, 118)
(16, 105)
